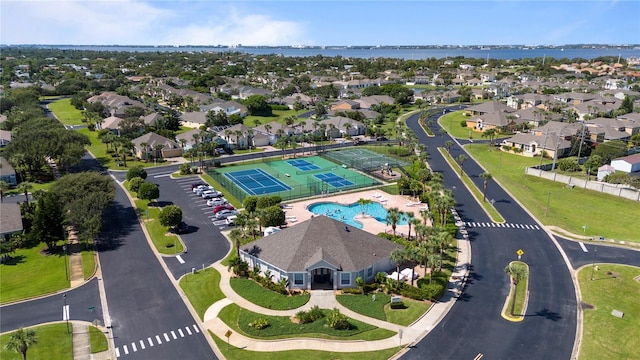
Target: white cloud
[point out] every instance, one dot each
(128, 22)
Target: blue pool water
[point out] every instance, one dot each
(347, 213)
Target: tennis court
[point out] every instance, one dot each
(303, 165)
(333, 180)
(257, 182)
(363, 159)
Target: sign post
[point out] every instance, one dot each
(520, 253)
(228, 335)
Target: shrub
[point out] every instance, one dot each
(463, 123)
(351, 291)
(337, 320)
(136, 171)
(309, 316)
(398, 305)
(216, 163)
(259, 323)
(148, 191)
(171, 215)
(250, 203)
(185, 169)
(413, 293)
(303, 317)
(431, 291)
(568, 165)
(134, 184)
(380, 277)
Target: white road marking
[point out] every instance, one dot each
(188, 330)
(65, 312)
(133, 346)
(536, 226)
(493, 224)
(166, 337)
(158, 339)
(174, 335)
(142, 345)
(584, 248)
(161, 175)
(150, 341)
(180, 332)
(180, 259)
(126, 350)
(117, 352)
(196, 328)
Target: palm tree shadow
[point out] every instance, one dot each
(548, 314)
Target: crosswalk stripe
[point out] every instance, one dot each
(117, 352)
(502, 225)
(493, 224)
(188, 330)
(173, 334)
(180, 332)
(196, 328)
(126, 350)
(133, 346)
(536, 226)
(166, 337)
(158, 339)
(142, 345)
(150, 341)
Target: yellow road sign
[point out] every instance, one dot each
(228, 333)
(520, 252)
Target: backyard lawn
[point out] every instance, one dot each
(32, 272)
(53, 344)
(614, 287)
(603, 215)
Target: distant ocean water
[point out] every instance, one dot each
(374, 52)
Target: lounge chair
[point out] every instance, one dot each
(407, 273)
(376, 195)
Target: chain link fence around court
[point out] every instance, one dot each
(313, 186)
(363, 160)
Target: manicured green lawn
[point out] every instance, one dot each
(164, 241)
(99, 151)
(202, 289)
(604, 215)
(258, 295)
(66, 113)
(234, 353)
(281, 327)
(612, 287)
(477, 193)
(97, 340)
(363, 304)
(88, 263)
(53, 344)
(31, 272)
(414, 309)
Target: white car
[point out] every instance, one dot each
(199, 191)
(199, 187)
(225, 214)
(217, 202)
(210, 194)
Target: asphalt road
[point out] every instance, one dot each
(598, 253)
(474, 325)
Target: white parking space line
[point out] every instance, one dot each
(180, 260)
(188, 330)
(158, 339)
(196, 328)
(117, 352)
(166, 337)
(584, 248)
(133, 346)
(150, 341)
(126, 350)
(142, 345)
(180, 332)
(174, 335)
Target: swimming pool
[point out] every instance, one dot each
(347, 213)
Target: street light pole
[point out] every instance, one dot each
(548, 199)
(593, 264)
(66, 270)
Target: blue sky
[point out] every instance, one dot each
(301, 22)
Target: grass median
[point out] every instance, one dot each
(202, 289)
(165, 242)
(603, 215)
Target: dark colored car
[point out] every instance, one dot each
(196, 184)
(219, 208)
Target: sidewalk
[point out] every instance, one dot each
(326, 300)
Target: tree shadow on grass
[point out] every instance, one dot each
(13, 260)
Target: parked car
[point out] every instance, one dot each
(200, 190)
(220, 151)
(196, 184)
(222, 207)
(225, 214)
(210, 194)
(199, 187)
(217, 202)
(231, 220)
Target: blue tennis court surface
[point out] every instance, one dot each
(333, 180)
(303, 165)
(257, 182)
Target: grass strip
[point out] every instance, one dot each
(88, 262)
(202, 289)
(66, 113)
(266, 298)
(164, 242)
(53, 344)
(520, 293)
(477, 194)
(234, 353)
(97, 340)
(614, 287)
(281, 327)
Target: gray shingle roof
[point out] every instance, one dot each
(321, 238)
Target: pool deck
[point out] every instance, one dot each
(297, 211)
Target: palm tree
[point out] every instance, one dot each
(145, 148)
(363, 204)
(24, 188)
(398, 256)
(491, 133)
(236, 235)
(448, 144)
(410, 216)
(425, 214)
(461, 159)
(158, 148)
(442, 132)
(517, 273)
(442, 239)
(432, 262)
(4, 186)
(20, 340)
(393, 217)
(268, 128)
(252, 226)
(485, 177)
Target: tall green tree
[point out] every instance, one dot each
(171, 215)
(48, 221)
(20, 341)
(461, 159)
(148, 191)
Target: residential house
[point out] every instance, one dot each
(530, 145)
(5, 138)
(345, 105)
(228, 107)
(489, 107)
(152, 145)
(320, 253)
(536, 117)
(238, 136)
(596, 106)
(193, 119)
(340, 126)
(111, 123)
(187, 140)
(7, 172)
(607, 129)
(10, 220)
(628, 164)
(152, 119)
(117, 104)
(367, 102)
(605, 170)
